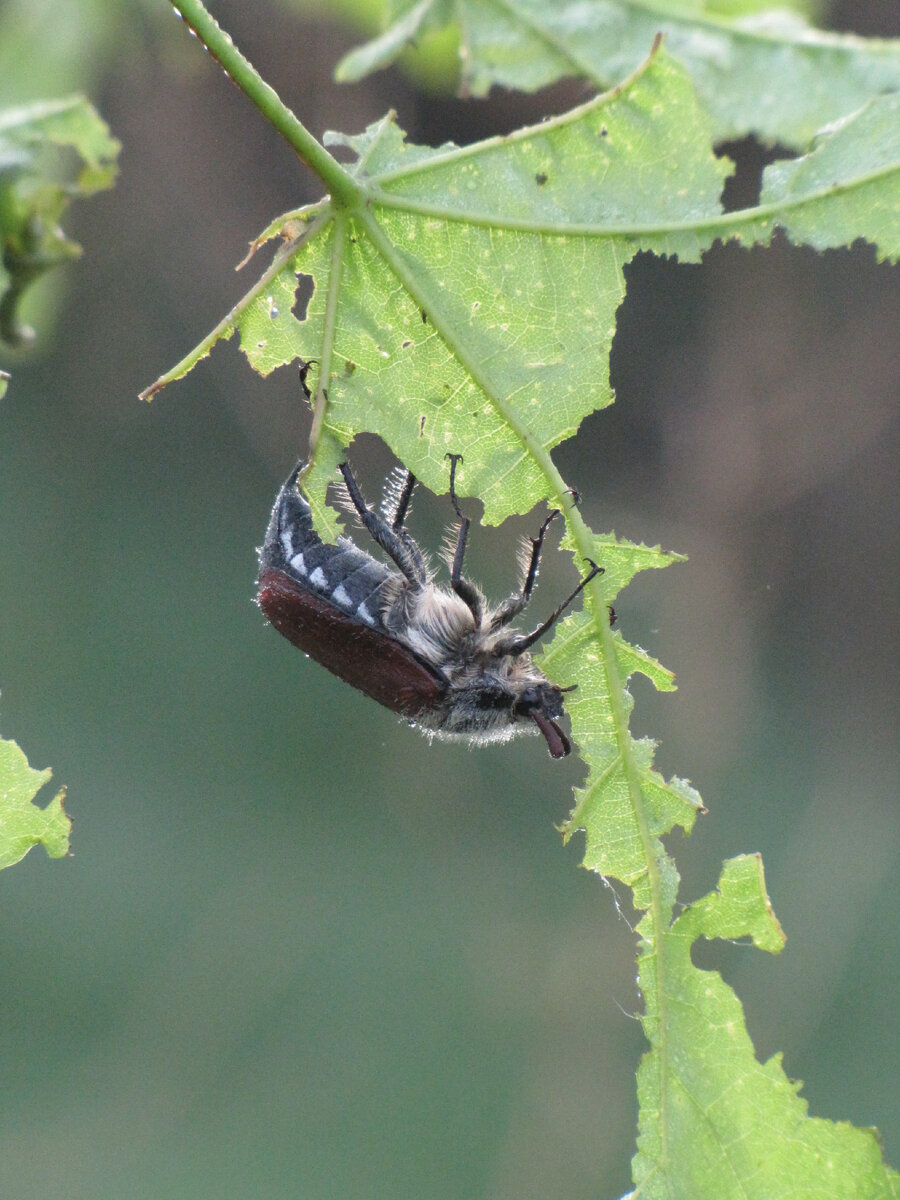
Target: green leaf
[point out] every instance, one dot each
(847, 187)
(716, 1123)
(22, 823)
(758, 68)
(468, 302)
(38, 145)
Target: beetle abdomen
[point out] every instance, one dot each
(329, 602)
(343, 575)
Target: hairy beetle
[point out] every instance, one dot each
(442, 657)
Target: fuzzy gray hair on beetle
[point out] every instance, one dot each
(440, 656)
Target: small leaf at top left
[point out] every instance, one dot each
(50, 153)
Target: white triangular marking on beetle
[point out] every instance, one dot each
(339, 596)
(363, 612)
(317, 579)
(299, 564)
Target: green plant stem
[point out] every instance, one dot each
(341, 186)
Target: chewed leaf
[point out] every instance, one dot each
(472, 313)
(769, 73)
(467, 303)
(715, 1122)
(622, 560)
(633, 660)
(22, 823)
(624, 805)
(739, 907)
(847, 186)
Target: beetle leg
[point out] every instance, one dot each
(403, 500)
(394, 541)
(462, 587)
(513, 606)
(520, 644)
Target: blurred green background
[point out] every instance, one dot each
(297, 952)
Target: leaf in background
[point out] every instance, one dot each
(715, 1122)
(22, 823)
(758, 68)
(39, 144)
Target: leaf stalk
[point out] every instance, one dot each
(342, 188)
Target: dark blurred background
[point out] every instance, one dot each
(296, 951)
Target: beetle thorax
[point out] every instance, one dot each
(440, 628)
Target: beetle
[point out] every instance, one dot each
(441, 657)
